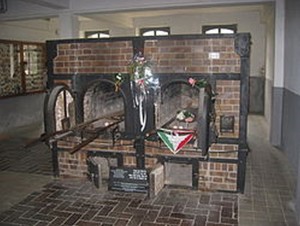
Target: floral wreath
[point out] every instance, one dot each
(139, 69)
(202, 83)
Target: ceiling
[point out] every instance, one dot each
(51, 8)
(127, 17)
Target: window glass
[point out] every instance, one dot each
(226, 31)
(97, 34)
(103, 35)
(160, 31)
(149, 33)
(92, 36)
(212, 31)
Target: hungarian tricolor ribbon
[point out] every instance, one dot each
(175, 140)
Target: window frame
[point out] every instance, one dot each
(88, 33)
(17, 75)
(155, 29)
(232, 27)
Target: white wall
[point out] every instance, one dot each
(269, 70)
(30, 30)
(23, 111)
(192, 24)
(115, 30)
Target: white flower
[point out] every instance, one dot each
(180, 116)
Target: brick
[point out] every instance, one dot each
(134, 211)
(88, 54)
(214, 216)
(135, 220)
(182, 216)
(121, 222)
(200, 221)
(218, 180)
(88, 223)
(121, 206)
(151, 216)
(60, 214)
(151, 224)
(105, 210)
(205, 199)
(107, 220)
(134, 203)
(22, 221)
(198, 211)
(168, 220)
(217, 224)
(229, 220)
(227, 212)
(188, 223)
(165, 211)
(120, 215)
(43, 217)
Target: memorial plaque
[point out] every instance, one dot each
(128, 180)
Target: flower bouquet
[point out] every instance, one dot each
(185, 116)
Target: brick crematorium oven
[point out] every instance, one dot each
(136, 114)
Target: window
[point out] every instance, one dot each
(34, 67)
(97, 34)
(220, 29)
(160, 31)
(24, 70)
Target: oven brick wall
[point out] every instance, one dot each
(228, 103)
(72, 165)
(190, 56)
(212, 175)
(217, 176)
(168, 56)
(93, 57)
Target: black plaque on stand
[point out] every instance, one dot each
(128, 180)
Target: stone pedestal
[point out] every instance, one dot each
(157, 180)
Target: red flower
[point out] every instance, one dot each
(189, 119)
(192, 81)
(140, 82)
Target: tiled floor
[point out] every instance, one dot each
(22, 171)
(33, 160)
(267, 199)
(76, 202)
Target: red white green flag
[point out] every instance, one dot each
(175, 139)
